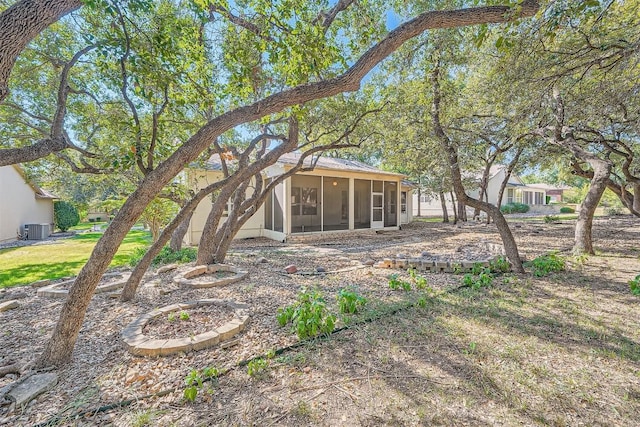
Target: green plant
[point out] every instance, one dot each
(421, 302)
(499, 265)
(309, 315)
(567, 210)
(634, 285)
(478, 268)
(485, 278)
(613, 210)
(194, 381)
(171, 316)
(166, 256)
(546, 264)
(510, 208)
(257, 367)
(551, 219)
(65, 215)
(184, 315)
(418, 280)
(349, 301)
(396, 283)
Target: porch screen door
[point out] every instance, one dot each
(377, 210)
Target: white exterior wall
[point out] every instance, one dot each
(254, 227)
(19, 204)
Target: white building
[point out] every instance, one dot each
(516, 191)
(22, 202)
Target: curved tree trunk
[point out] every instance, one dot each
(509, 243)
(21, 23)
(130, 288)
(454, 208)
(583, 236)
(59, 348)
(178, 234)
(445, 212)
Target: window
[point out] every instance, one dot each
(510, 197)
(403, 202)
(539, 198)
(304, 201)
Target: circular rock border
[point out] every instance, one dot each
(53, 291)
(199, 270)
(142, 345)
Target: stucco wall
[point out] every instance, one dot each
(19, 205)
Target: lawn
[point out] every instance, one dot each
(61, 258)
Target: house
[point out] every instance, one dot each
(554, 194)
(22, 202)
(337, 196)
(516, 191)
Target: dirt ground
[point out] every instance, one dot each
(557, 350)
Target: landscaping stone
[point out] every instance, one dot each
(369, 262)
(167, 268)
(401, 256)
(31, 388)
(142, 345)
(185, 279)
(9, 305)
(290, 269)
(18, 295)
(40, 283)
(321, 269)
(261, 260)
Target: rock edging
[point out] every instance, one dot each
(141, 345)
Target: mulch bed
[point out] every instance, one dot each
(199, 320)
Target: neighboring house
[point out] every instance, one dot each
(516, 191)
(22, 202)
(97, 215)
(337, 196)
(554, 194)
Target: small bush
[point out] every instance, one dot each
(499, 265)
(349, 302)
(567, 210)
(166, 256)
(613, 210)
(92, 220)
(257, 367)
(546, 264)
(395, 283)
(65, 215)
(309, 316)
(551, 219)
(510, 208)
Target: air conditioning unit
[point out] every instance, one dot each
(37, 231)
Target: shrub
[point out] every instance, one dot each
(166, 256)
(551, 219)
(349, 302)
(65, 215)
(613, 210)
(499, 265)
(634, 285)
(309, 316)
(546, 264)
(510, 208)
(567, 209)
(395, 283)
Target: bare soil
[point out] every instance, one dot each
(557, 350)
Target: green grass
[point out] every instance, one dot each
(429, 218)
(27, 264)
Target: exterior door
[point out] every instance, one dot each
(377, 210)
(404, 215)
